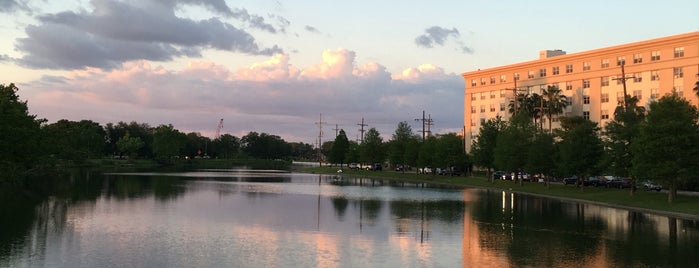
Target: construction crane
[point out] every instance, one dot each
(218, 129)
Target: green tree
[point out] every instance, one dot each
(371, 150)
(338, 153)
(619, 134)
(541, 156)
(142, 131)
(74, 141)
(580, 147)
(227, 146)
(667, 147)
(528, 105)
(483, 147)
(352, 153)
(265, 146)
(513, 144)
(554, 102)
(412, 151)
(428, 152)
(130, 145)
(450, 152)
(399, 142)
(167, 143)
(19, 135)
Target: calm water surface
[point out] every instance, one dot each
(241, 218)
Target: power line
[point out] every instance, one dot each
(320, 138)
(426, 122)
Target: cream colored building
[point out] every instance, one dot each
(589, 79)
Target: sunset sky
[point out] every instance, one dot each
(273, 66)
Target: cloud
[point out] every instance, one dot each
(116, 32)
(11, 6)
(312, 29)
(271, 96)
(437, 36)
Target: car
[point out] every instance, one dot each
(354, 166)
(425, 170)
(620, 183)
(596, 181)
(652, 186)
(570, 180)
(499, 175)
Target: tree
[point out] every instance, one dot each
(667, 147)
(371, 150)
(450, 152)
(528, 105)
(554, 102)
(227, 146)
(541, 156)
(513, 144)
(339, 150)
(580, 148)
(167, 142)
(74, 141)
(19, 135)
(130, 145)
(265, 146)
(619, 134)
(483, 148)
(399, 142)
(427, 154)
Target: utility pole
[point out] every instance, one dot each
(337, 128)
(426, 122)
(623, 82)
(361, 130)
(514, 94)
(320, 139)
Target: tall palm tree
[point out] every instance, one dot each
(527, 104)
(555, 102)
(696, 88)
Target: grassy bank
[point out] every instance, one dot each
(684, 206)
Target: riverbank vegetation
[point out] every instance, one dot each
(686, 205)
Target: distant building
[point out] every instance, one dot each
(589, 79)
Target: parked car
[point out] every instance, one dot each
(596, 181)
(652, 186)
(620, 183)
(354, 166)
(570, 180)
(377, 167)
(425, 170)
(499, 175)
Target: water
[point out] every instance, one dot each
(240, 218)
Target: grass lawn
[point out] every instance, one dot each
(648, 200)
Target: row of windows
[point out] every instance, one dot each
(604, 81)
(621, 60)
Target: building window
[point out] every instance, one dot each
(655, 55)
(474, 83)
(473, 97)
(492, 107)
(637, 58)
(654, 75)
(542, 72)
(516, 76)
(530, 75)
(569, 85)
(492, 80)
(473, 109)
(555, 70)
(605, 63)
(492, 94)
(638, 94)
(605, 114)
(621, 60)
(502, 93)
(569, 68)
(586, 83)
(604, 81)
(503, 78)
(502, 107)
(482, 95)
(604, 98)
(654, 93)
(677, 72)
(586, 66)
(586, 115)
(482, 108)
(569, 100)
(473, 123)
(679, 52)
(637, 78)
(483, 81)
(586, 99)
(679, 90)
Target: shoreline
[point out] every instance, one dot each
(448, 181)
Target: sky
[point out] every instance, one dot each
(280, 67)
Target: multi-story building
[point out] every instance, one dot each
(591, 80)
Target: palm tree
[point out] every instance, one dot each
(555, 102)
(527, 104)
(696, 88)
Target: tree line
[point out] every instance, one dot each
(659, 144)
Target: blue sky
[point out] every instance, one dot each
(274, 66)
